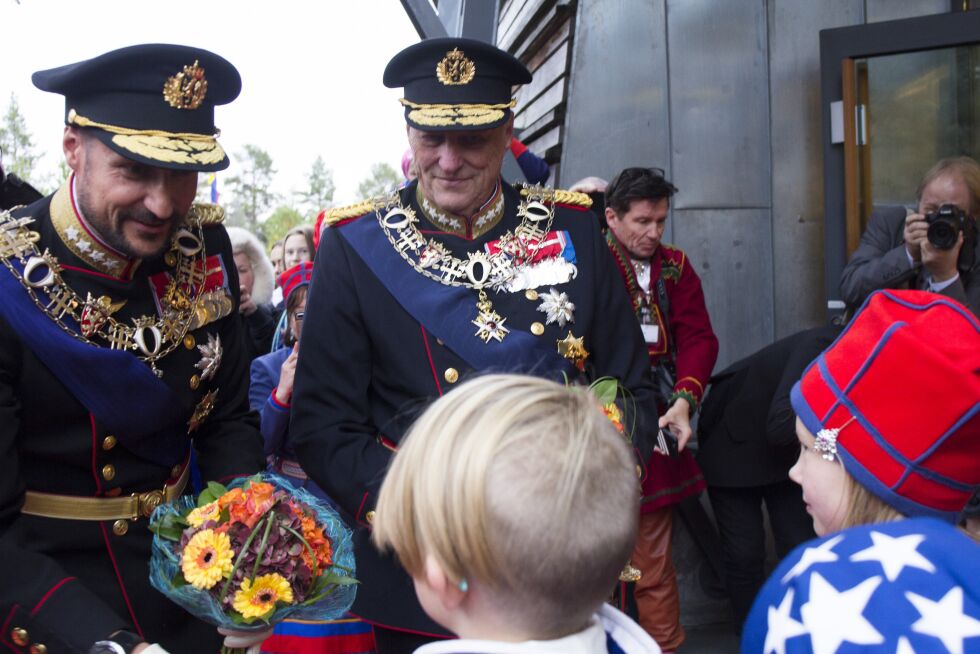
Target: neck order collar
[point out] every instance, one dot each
(79, 237)
(485, 219)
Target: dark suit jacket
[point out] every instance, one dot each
(746, 432)
(881, 261)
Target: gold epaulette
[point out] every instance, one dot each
(336, 214)
(558, 195)
(206, 214)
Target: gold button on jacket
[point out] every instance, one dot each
(451, 375)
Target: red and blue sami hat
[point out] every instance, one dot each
(299, 275)
(889, 588)
(897, 398)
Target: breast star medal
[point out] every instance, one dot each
(557, 308)
(573, 349)
(210, 357)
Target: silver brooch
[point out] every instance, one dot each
(826, 443)
(557, 307)
(210, 357)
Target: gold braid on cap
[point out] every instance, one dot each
(157, 145)
(444, 115)
(82, 121)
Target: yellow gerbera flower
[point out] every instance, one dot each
(206, 558)
(256, 599)
(202, 514)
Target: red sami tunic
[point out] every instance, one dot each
(695, 349)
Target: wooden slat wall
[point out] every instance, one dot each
(539, 33)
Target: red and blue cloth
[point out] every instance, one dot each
(348, 636)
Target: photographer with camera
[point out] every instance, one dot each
(931, 248)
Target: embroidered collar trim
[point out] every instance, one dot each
(79, 237)
(485, 219)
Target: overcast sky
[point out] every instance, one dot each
(311, 72)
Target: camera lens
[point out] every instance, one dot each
(942, 234)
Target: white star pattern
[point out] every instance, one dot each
(811, 555)
(833, 617)
(945, 619)
(782, 627)
(904, 647)
(84, 246)
(72, 234)
(895, 554)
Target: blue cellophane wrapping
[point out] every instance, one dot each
(165, 563)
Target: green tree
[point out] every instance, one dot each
(383, 179)
(19, 155)
(319, 189)
(281, 221)
(250, 188)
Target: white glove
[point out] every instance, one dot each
(250, 641)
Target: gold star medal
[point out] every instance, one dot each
(573, 349)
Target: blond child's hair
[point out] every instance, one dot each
(522, 485)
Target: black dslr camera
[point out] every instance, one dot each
(945, 224)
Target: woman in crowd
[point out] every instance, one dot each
(255, 279)
(297, 246)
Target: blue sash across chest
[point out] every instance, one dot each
(115, 386)
(448, 311)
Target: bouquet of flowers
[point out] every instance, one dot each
(250, 555)
(607, 390)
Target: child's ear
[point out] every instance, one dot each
(450, 595)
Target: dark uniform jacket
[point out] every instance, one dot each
(67, 583)
(747, 427)
(367, 368)
(881, 261)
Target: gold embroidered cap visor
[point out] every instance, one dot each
(455, 84)
(150, 103)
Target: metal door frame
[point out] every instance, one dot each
(838, 48)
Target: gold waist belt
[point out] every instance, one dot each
(73, 507)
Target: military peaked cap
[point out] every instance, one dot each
(455, 84)
(150, 103)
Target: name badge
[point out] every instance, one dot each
(651, 333)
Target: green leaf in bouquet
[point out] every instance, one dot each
(213, 491)
(170, 527)
(605, 389)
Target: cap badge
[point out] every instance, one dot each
(186, 89)
(455, 69)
